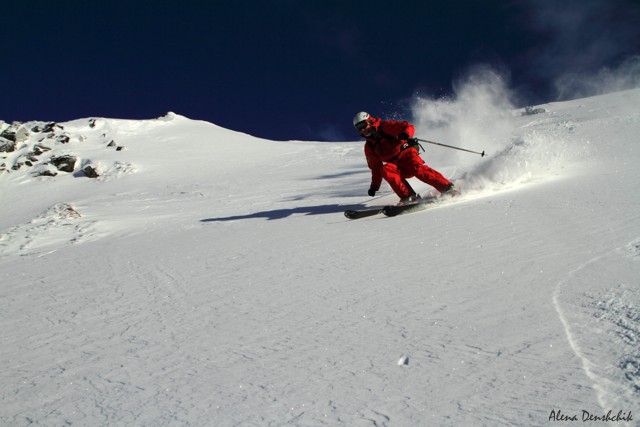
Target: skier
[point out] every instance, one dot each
(392, 154)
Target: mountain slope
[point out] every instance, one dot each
(209, 277)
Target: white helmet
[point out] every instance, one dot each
(360, 117)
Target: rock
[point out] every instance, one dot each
(7, 146)
(49, 127)
(64, 163)
(46, 172)
(39, 149)
(65, 211)
(9, 134)
(529, 111)
(91, 172)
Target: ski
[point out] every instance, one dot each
(362, 213)
(390, 210)
(394, 210)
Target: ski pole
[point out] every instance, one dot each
(451, 146)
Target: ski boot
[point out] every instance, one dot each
(409, 200)
(450, 191)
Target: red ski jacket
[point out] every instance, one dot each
(385, 146)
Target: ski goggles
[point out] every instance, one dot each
(362, 125)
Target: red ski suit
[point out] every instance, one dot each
(390, 157)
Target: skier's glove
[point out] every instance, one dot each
(403, 136)
(372, 191)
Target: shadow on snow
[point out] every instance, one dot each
(284, 213)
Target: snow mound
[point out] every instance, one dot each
(59, 225)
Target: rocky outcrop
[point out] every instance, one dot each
(33, 146)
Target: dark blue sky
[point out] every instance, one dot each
(286, 69)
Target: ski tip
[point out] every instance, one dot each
(358, 214)
(482, 155)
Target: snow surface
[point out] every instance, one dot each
(208, 277)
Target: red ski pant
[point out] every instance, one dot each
(409, 164)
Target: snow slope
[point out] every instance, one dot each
(208, 277)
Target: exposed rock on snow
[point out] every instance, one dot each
(64, 211)
(7, 146)
(529, 111)
(45, 149)
(64, 163)
(91, 171)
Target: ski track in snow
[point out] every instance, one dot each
(601, 316)
(231, 290)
